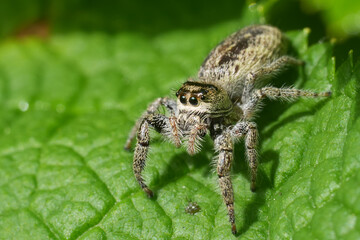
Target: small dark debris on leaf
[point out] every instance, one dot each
(192, 208)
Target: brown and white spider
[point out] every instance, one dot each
(222, 101)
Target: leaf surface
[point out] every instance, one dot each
(68, 103)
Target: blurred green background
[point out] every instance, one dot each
(326, 18)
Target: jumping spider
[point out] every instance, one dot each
(222, 101)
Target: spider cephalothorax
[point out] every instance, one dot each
(197, 105)
(204, 98)
(222, 102)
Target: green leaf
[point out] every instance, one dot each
(341, 17)
(17, 13)
(338, 18)
(68, 103)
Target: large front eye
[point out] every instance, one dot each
(183, 99)
(193, 101)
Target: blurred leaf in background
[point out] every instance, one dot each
(333, 19)
(74, 77)
(342, 17)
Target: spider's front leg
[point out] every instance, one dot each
(160, 123)
(224, 146)
(170, 105)
(249, 130)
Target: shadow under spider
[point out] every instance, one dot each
(291, 118)
(265, 180)
(178, 166)
(263, 183)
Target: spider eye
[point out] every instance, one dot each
(193, 101)
(202, 97)
(183, 99)
(177, 94)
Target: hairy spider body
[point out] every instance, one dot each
(221, 101)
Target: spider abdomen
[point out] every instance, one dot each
(243, 52)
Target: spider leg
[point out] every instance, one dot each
(170, 104)
(160, 123)
(278, 65)
(267, 71)
(224, 146)
(249, 130)
(250, 106)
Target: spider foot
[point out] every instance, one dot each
(233, 229)
(148, 192)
